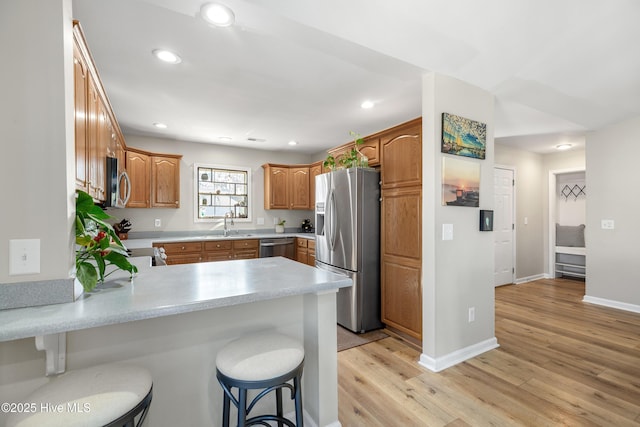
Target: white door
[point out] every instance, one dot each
(503, 226)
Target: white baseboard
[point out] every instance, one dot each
(458, 356)
(611, 303)
(531, 278)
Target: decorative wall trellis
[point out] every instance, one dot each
(575, 191)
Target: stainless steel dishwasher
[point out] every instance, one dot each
(284, 246)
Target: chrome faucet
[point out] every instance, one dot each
(226, 228)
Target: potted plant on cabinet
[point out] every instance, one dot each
(350, 158)
(280, 226)
(97, 244)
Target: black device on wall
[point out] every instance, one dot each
(486, 220)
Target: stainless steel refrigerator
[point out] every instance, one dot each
(348, 242)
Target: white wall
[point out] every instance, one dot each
(612, 178)
(570, 210)
(457, 274)
(36, 118)
(182, 219)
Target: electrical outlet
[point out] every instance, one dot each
(24, 256)
(260, 221)
(157, 222)
(472, 314)
(276, 221)
(607, 224)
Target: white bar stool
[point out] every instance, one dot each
(266, 361)
(110, 395)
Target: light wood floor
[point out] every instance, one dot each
(560, 362)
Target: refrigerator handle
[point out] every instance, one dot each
(332, 220)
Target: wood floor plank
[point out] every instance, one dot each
(391, 381)
(560, 362)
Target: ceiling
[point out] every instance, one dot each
(299, 69)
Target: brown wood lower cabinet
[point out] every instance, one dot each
(209, 250)
(311, 252)
(306, 251)
(181, 252)
(245, 249)
(218, 250)
(402, 297)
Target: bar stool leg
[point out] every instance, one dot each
(298, 401)
(279, 404)
(226, 405)
(242, 407)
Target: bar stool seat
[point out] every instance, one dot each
(266, 361)
(104, 395)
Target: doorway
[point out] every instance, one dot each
(504, 225)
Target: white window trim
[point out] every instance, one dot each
(195, 201)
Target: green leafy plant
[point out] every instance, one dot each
(282, 222)
(350, 158)
(97, 244)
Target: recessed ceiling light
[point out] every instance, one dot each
(292, 143)
(217, 14)
(167, 56)
(367, 104)
(225, 138)
(563, 146)
(160, 125)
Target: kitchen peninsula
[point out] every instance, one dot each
(174, 319)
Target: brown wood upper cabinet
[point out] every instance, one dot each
(92, 121)
(401, 155)
(370, 148)
(155, 179)
(314, 170)
(287, 187)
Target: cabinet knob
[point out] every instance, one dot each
(182, 248)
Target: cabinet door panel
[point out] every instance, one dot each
(402, 157)
(276, 188)
(299, 181)
(139, 170)
(402, 297)
(165, 176)
(314, 170)
(401, 218)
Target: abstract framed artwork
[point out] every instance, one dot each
(460, 182)
(463, 137)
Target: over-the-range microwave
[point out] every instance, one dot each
(118, 185)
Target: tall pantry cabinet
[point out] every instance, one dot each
(401, 228)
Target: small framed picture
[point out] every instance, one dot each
(486, 220)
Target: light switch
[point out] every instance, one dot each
(607, 224)
(24, 256)
(260, 221)
(447, 231)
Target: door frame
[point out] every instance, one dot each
(551, 232)
(513, 212)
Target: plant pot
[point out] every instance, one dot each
(279, 228)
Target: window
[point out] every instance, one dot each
(222, 191)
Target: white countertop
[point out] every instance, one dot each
(168, 290)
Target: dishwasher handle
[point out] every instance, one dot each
(280, 243)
